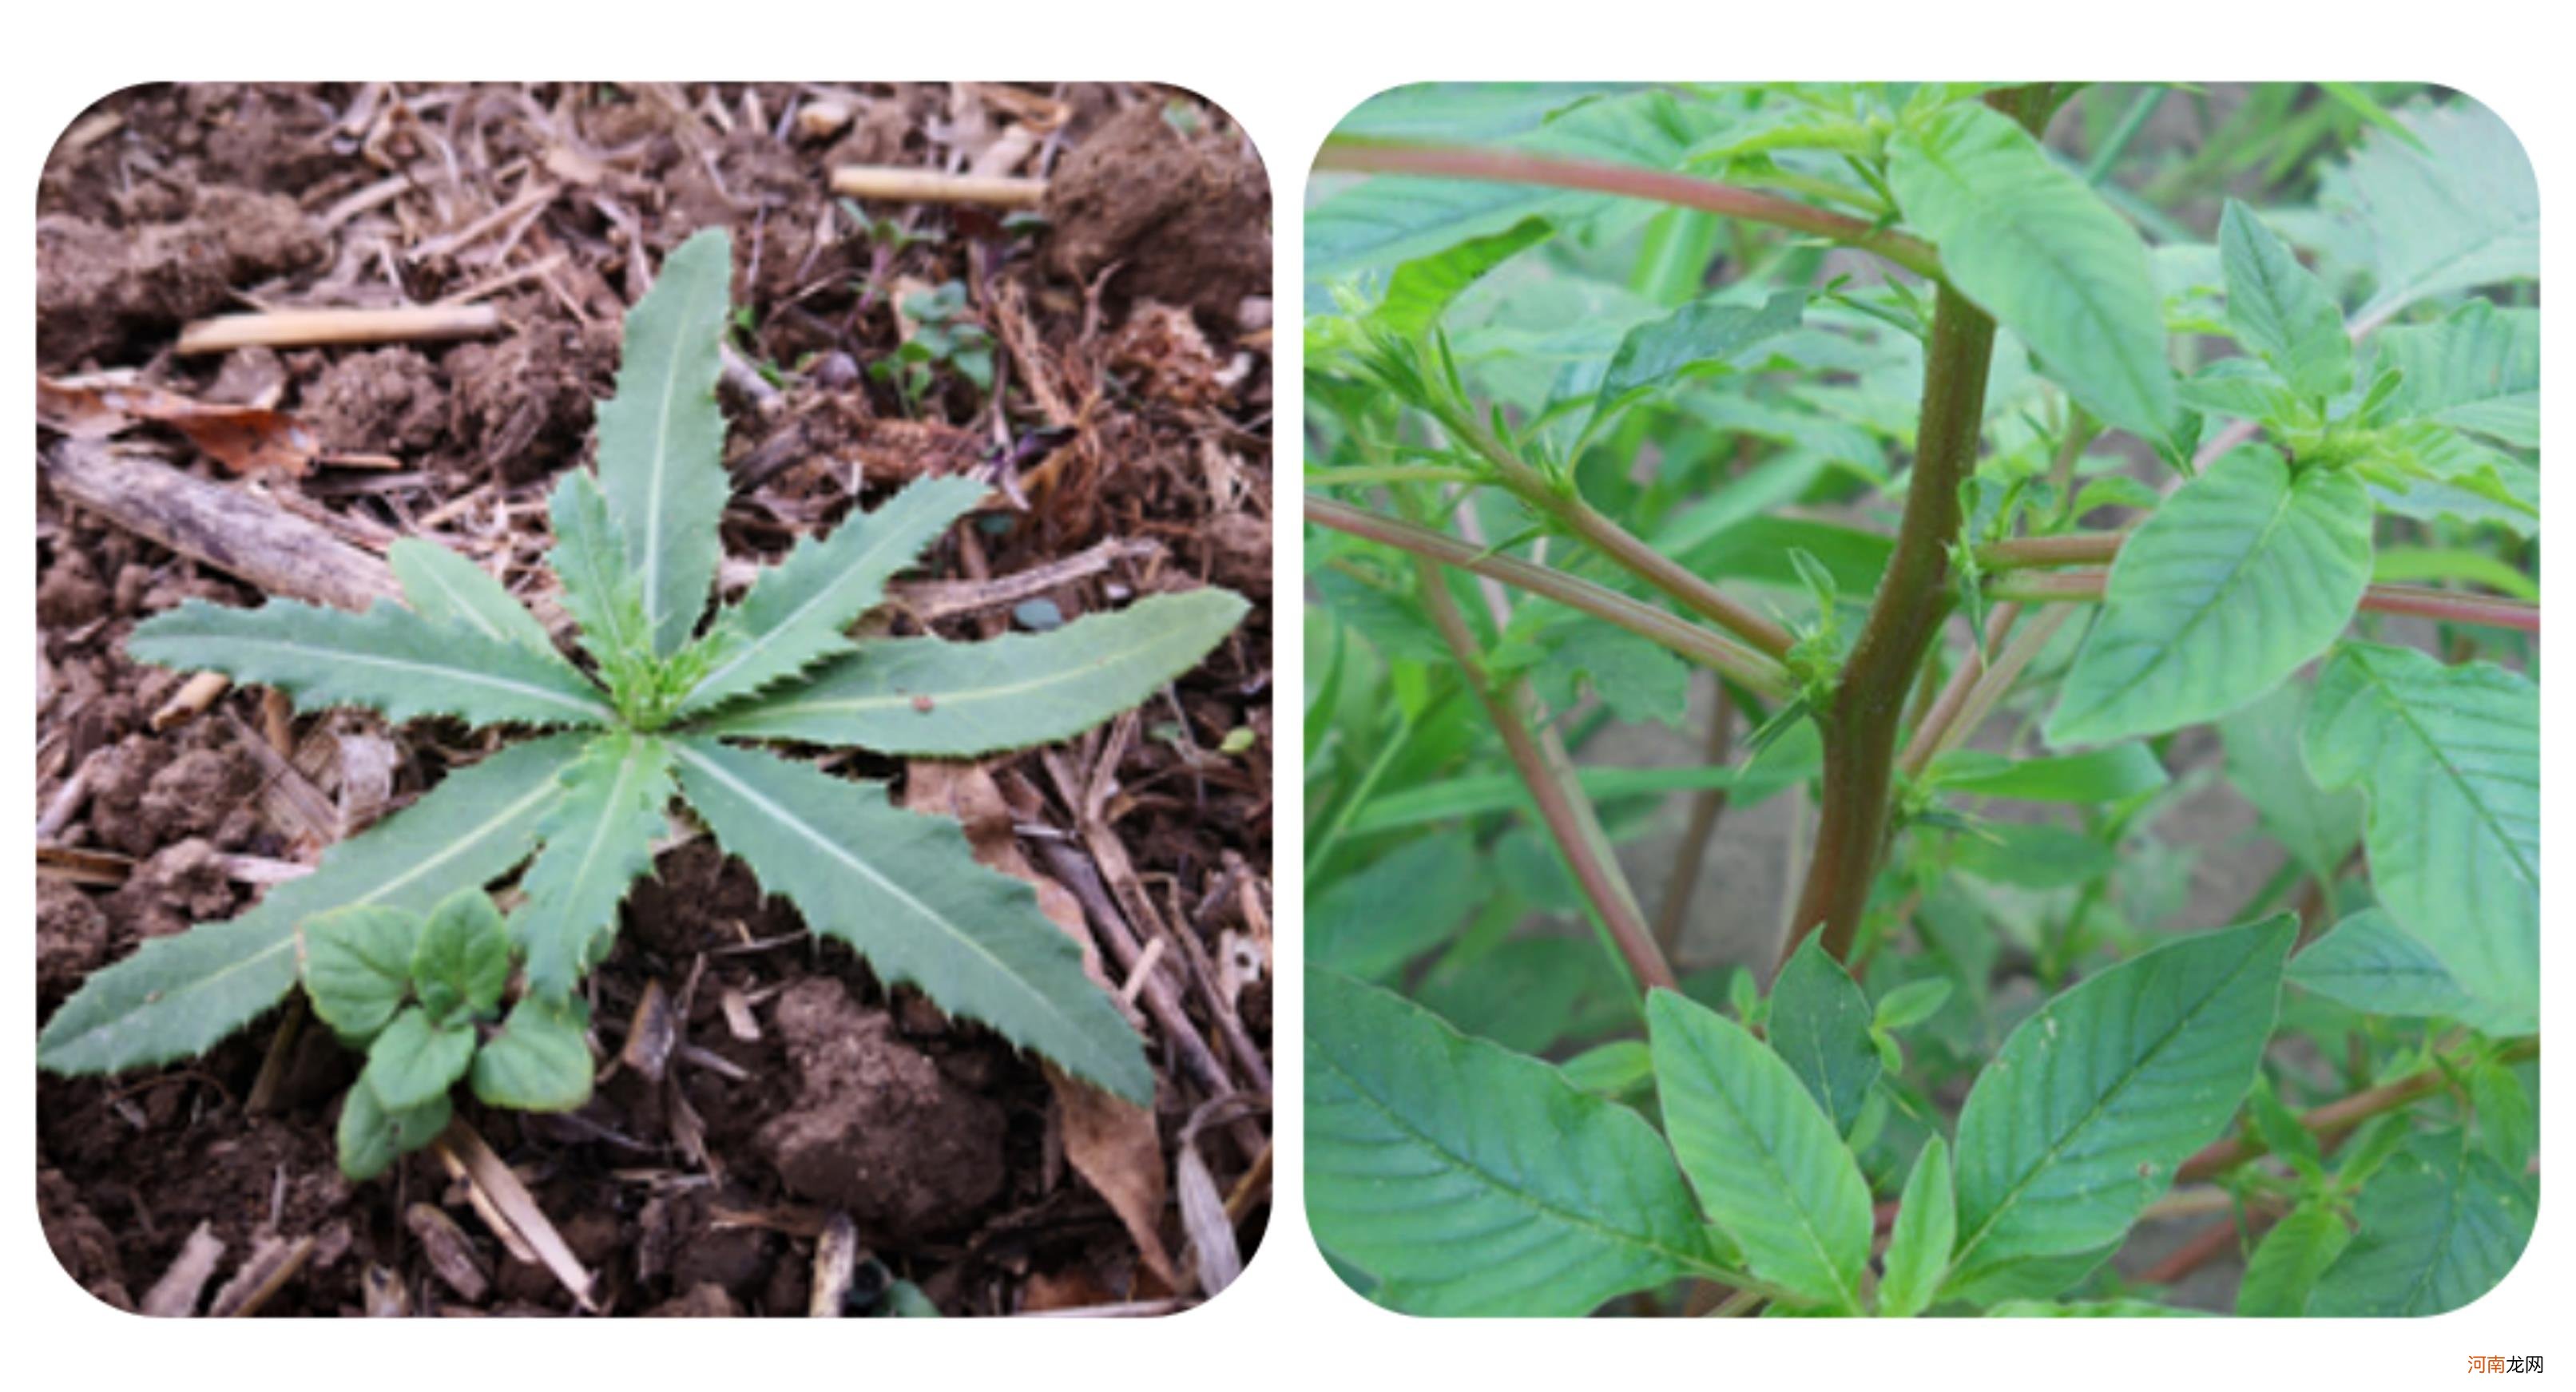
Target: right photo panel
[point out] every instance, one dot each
(1922, 699)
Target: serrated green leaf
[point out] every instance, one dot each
(601, 589)
(2109, 774)
(2079, 1122)
(2239, 579)
(2478, 369)
(2450, 759)
(2280, 309)
(2282, 1275)
(540, 1061)
(178, 995)
(598, 840)
(2440, 1225)
(412, 1063)
(461, 963)
(1767, 1163)
(388, 659)
(370, 1137)
(2370, 963)
(357, 966)
(927, 696)
(2032, 245)
(904, 890)
(1700, 339)
(446, 588)
(797, 611)
(1475, 1181)
(2461, 211)
(1918, 1247)
(661, 437)
(1819, 1025)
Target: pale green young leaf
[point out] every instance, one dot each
(2241, 577)
(370, 1137)
(905, 891)
(2448, 476)
(2280, 309)
(2456, 212)
(357, 966)
(797, 611)
(1767, 1163)
(2241, 388)
(540, 1061)
(1473, 1180)
(2372, 964)
(2477, 369)
(1422, 289)
(661, 437)
(927, 696)
(2281, 1276)
(1819, 1026)
(2029, 243)
(1912, 1003)
(414, 1060)
(178, 995)
(461, 963)
(2084, 1114)
(602, 590)
(1620, 1068)
(2450, 760)
(446, 588)
(1918, 1247)
(2439, 1225)
(387, 659)
(598, 840)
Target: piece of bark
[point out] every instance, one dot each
(232, 529)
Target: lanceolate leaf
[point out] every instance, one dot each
(2478, 369)
(2282, 1275)
(388, 659)
(601, 590)
(2242, 576)
(1918, 1248)
(2280, 309)
(796, 613)
(904, 890)
(1700, 339)
(2079, 1122)
(927, 696)
(179, 995)
(2450, 757)
(661, 438)
(1473, 1180)
(2042, 253)
(1819, 1025)
(447, 588)
(1769, 1166)
(2440, 1224)
(1421, 290)
(598, 841)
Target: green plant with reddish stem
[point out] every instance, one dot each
(1974, 475)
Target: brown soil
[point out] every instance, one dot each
(1132, 410)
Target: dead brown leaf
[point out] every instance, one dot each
(250, 440)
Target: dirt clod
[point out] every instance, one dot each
(1189, 217)
(386, 402)
(877, 1129)
(98, 288)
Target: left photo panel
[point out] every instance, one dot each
(653, 699)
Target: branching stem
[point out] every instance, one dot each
(2448, 606)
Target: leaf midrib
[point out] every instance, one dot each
(1845, 1285)
(465, 676)
(2459, 779)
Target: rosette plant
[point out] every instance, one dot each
(673, 704)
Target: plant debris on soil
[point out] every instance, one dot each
(774, 1132)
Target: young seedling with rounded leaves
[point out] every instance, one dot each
(671, 707)
(2096, 558)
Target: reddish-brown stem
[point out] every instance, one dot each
(1706, 808)
(2449, 606)
(1654, 185)
(1713, 650)
(1860, 726)
(1599, 877)
(2072, 548)
(1936, 722)
(2339, 1116)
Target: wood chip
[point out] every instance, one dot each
(273, 1261)
(310, 328)
(449, 1251)
(836, 1267)
(651, 1033)
(174, 1296)
(739, 1021)
(191, 700)
(509, 1209)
